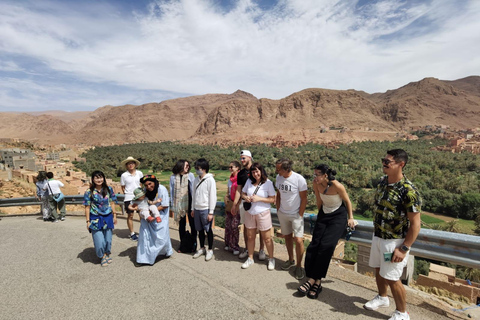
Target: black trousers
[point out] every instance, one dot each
(201, 237)
(182, 225)
(328, 230)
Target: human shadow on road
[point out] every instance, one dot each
(88, 255)
(131, 253)
(344, 303)
(122, 233)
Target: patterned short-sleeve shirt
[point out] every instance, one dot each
(99, 204)
(392, 203)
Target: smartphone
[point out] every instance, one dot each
(387, 256)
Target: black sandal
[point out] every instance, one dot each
(316, 289)
(304, 288)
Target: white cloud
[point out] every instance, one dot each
(194, 46)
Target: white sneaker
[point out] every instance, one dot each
(243, 255)
(199, 253)
(397, 315)
(271, 264)
(227, 248)
(209, 255)
(261, 255)
(247, 263)
(236, 252)
(377, 302)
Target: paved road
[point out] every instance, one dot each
(50, 271)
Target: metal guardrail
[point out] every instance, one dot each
(456, 248)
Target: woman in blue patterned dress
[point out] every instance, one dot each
(100, 215)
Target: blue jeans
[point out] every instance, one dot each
(102, 241)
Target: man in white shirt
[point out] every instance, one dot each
(291, 202)
(53, 187)
(130, 180)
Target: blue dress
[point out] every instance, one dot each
(153, 237)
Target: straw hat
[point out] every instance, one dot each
(130, 159)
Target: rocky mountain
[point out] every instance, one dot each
(241, 117)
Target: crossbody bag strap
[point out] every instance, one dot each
(51, 192)
(256, 190)
(198, 185)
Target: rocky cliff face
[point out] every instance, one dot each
(242, 118)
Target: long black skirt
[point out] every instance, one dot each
(328, 230)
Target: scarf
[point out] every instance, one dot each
(233, 188)
(180, 197)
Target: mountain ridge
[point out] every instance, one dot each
(240, 116)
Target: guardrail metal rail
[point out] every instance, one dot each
(456, 248)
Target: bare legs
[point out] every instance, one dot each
(397, 288)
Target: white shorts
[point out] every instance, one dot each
(388, 270)
(291, 223)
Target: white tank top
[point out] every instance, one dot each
(331, 202)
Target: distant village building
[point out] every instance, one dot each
(444, 278)
(55, 156)
(17, 158)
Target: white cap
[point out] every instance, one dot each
(246, 153)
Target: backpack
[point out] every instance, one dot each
(187, 243)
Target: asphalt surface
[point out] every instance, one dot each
(50, 271)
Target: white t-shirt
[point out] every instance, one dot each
(289, 189)
(130, 182)
(55, 185)
(266, 190)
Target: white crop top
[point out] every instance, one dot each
(331, 202)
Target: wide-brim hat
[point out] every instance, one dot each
(130, 159)
(137, 193)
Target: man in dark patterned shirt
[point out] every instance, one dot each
(396, 227)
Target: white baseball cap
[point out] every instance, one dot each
(246, 153)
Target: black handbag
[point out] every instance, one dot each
(248, 205)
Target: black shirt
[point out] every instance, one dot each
(242, 177)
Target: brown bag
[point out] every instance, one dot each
(228, 203)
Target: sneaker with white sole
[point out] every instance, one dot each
(377, 302)
(261, 255)
(397, 315)
(236, 252)
(209, 255)
(243, 255)
(199, 253)
(271, 264)
(288, 264)
(247, 263)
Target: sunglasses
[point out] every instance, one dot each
(387, 161)
(231, 167)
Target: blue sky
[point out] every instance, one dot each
(84, 54)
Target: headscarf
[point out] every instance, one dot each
(151, 195)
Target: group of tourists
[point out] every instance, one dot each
(51, 197)
(248, 201)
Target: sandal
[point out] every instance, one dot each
(109, 260)
(304, 288)
(314, 291)
(104, 261)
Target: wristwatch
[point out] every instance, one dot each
(404, 248)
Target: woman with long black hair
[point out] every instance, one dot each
(334, 213)
(181, 188)
(100, 215)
